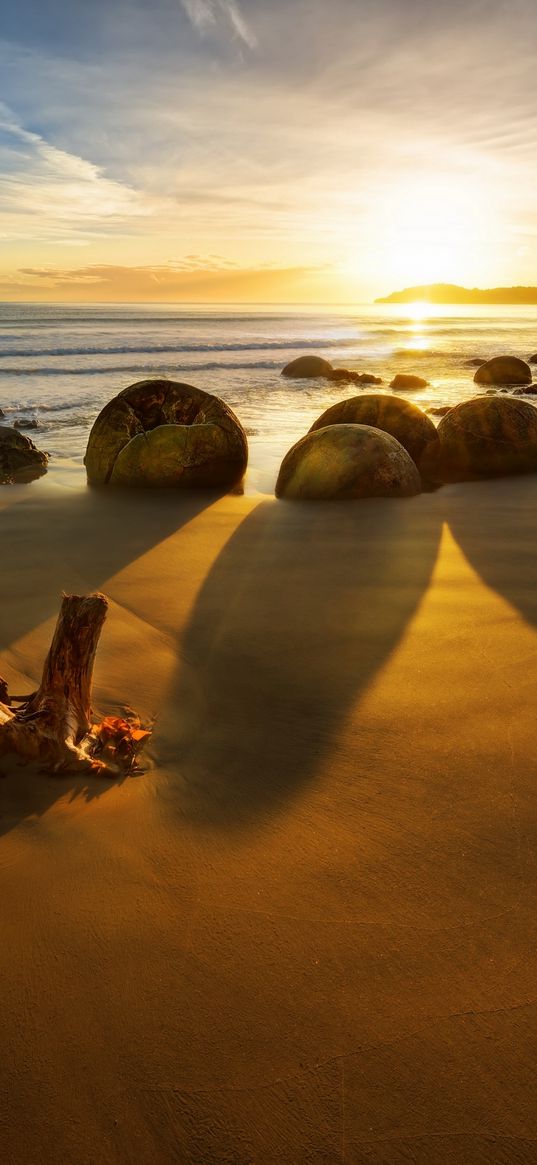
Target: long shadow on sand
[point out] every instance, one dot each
(57, 556)
(495, 526)
(299, 612)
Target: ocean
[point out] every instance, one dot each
(60, 364)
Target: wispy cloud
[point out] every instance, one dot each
(48, 193)
(209, 15)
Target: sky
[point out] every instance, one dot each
(265, 150)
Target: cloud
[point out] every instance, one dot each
(209, 15)
(49, 193)
(191, 280)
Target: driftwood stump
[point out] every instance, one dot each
(53, 725)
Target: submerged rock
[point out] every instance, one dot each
(475, 362)
(347, 461)
(439, 410)
(533, 359)
(307, 367)
(504, 370)
(26, 423)
(528, 390)
(401, 419)
(20, 460)
(163, 433)
(489, 436)
(404, 381)
(348, 375)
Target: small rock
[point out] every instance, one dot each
(26, 423)
(475, 362)
(439, 410)
(20, 460)
(529, 390)
(349, 376)
(404, 381)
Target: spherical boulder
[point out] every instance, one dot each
(401, 419)
(404, 382)
(504, 370)
(163, 433)
(489, 436)
(347, 461)
(20, 460)
(307, 367)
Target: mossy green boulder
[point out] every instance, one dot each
(504, 370)
(347, 461)
(489, 436)
(166, 434)
(20, 460)
(401, 419)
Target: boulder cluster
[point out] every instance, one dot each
(378, 445)
(161, 433)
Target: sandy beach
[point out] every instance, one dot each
(306, 934)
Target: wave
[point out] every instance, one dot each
(130, 349)
(142, 371)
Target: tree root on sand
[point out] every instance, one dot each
(53, 725)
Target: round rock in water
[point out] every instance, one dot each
(307, 367)
(162, 433)
(401, 419)
(20, 460)
(490, 436)
(504, 370)
(405, 381)
(347, 461)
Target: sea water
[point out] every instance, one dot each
(60, 364)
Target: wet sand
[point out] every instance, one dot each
(307, 934)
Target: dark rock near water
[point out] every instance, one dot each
(26, 423)
(349, 376)
(341, 462)
(2, 415)
(402, 420)
(489, 436)
(533, 359)
(504, 370)
(475, 362)
(529, 390)
(439, 410)
(20, 460)
(307, 367)
(405, 381)
(162, 433)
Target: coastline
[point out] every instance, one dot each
(307, 932)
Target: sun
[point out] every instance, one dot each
(427, 228)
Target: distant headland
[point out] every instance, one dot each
(450, 293)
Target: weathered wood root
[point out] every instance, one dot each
(53, 725)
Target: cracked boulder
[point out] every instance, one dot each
(165, 434)
(20, 459)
